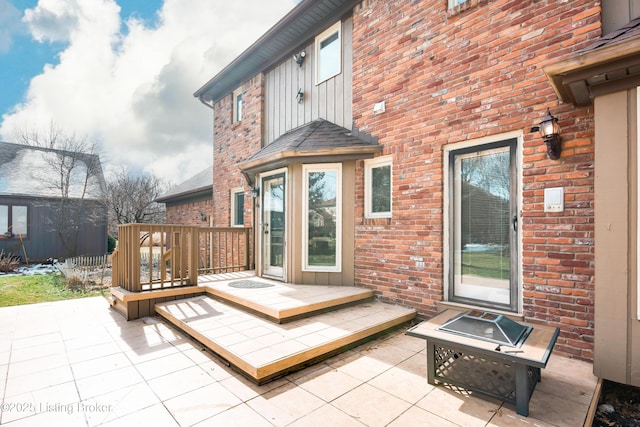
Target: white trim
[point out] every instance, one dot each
(233, 206)
(337, 27)
(369, 165)
(324, 167)
(237, 111)
(518, 135)
(637, 191)
(259, 229)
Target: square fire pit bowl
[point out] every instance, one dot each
(487, 353)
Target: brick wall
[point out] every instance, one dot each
(450, 77)
(189, 213)
(232, 144)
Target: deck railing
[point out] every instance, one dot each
(155, 256)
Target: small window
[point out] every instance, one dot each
(328, 53)
(13, 221)
(454, 3)
(237, 207)
(377, 181)
(237, 105)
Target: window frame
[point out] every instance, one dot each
(321, 167)
(234, 208)
(329, 32)
(10, 214)
(450, 152)
(237, 105)
(369, 165)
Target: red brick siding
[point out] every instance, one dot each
(232, 144)
(189, 213)
(450, 77)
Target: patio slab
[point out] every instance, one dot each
(79, 347)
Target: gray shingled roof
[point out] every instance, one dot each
(627, 32)
(27, 171)
(316, 140)
(199, 183)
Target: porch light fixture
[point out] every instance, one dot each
(255, 192)
(299, 58)
(203, 217)
(300, 96)
(550, 133)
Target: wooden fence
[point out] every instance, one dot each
(153, 256)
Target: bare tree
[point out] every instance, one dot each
(72, 173)
(131, 199)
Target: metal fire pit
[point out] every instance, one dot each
(483, 352)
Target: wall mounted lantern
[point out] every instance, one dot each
(255, 192)
(300, 96)
(203, 217)
(550, 133)
(299, 58)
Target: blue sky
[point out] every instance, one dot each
(123, 73)
(26, 57)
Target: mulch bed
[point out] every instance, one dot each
(624, 400)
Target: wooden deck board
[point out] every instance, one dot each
(264, 350)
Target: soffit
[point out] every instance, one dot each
(608, 65)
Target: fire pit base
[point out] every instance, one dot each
(507, 373)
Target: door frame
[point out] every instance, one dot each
(261, 253)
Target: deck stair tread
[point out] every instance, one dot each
(263, 349)
(282, 302)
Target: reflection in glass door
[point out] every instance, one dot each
(273, 225)
(484, 233)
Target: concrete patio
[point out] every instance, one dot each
(79, 363)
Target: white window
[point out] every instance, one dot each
(378, 184)
(237, 207)
(328, 53)
(482, 224)
(454, 3)
(237, 105)
(322, 217)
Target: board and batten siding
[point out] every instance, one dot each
(330, 100)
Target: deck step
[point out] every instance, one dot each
(262, 349)
(283, 302)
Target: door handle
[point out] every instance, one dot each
(514, 221)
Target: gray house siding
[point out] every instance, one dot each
(42, 240)
(330, 100)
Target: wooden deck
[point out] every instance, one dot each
(245, 326)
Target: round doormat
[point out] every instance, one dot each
(249, 284)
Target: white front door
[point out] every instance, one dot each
(273, 225)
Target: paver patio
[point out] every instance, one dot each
(79, 363)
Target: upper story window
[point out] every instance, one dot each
(329, 53)
(237, 105)
(237, 207)
(454, 3)
(377, 195)
(13, 221)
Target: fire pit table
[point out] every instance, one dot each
(487, 353)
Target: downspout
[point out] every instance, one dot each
(205, 102)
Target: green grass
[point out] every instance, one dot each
(18, 290)
(485, 264)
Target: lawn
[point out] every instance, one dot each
(18, 290)
(486, 264)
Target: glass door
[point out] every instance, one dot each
(485, 226)
(273, 225)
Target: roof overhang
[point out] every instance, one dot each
(292, 32)
(596, 72)
(286, 158)
(319, 141)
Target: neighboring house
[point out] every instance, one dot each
(191, 201)
(41, 216)
(418, 118)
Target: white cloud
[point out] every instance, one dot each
(130, 86)
(9, 24)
